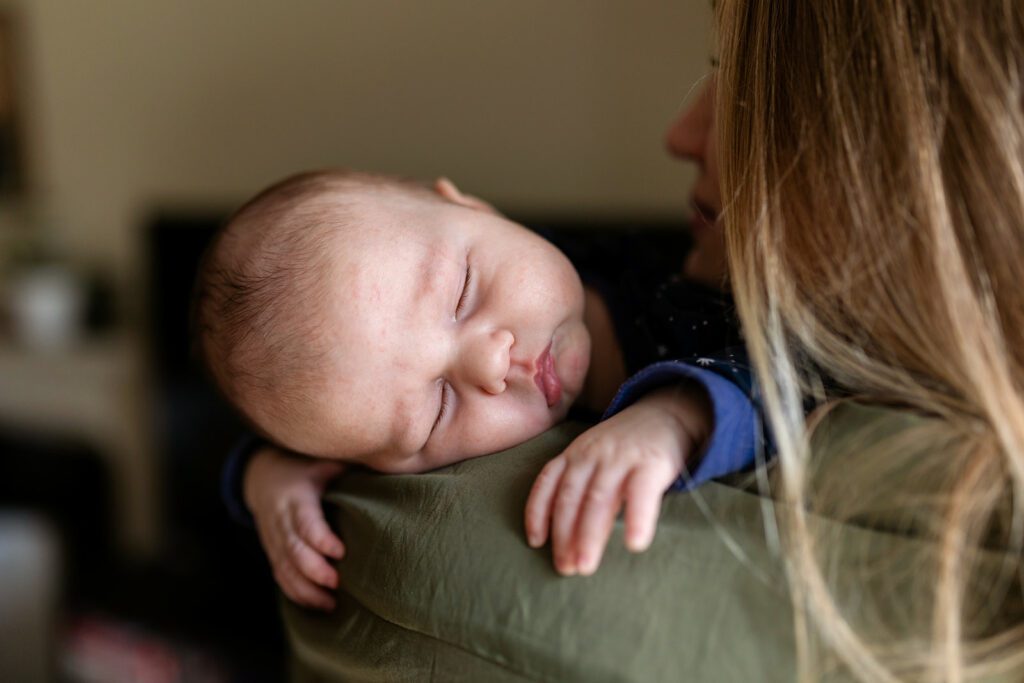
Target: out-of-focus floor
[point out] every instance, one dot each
(75, 607)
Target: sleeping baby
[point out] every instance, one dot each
(372, 321)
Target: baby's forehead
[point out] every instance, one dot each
(366, 415)
(385, 263)
(375, 229)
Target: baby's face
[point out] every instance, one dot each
(453, 333)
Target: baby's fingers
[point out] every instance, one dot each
(312, 528)
(311, 564)
(541, 500)
(600, 506)
(300, 589)
(568, 502)
(644, 491)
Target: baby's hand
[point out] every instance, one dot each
(632, 458)
(283, 493)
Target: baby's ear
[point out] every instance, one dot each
(447, 189)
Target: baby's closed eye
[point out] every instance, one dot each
(466, 282)
(443, 405)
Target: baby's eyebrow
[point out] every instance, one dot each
(427, 278)
(429, 290)
(430, 285)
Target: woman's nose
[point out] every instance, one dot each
(486, 359)
(687, 135)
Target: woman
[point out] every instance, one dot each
(872, 195)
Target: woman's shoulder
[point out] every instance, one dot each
(854, 444)
(852, 423)
(881, 439)
(888, 468)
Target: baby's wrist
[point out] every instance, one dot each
(689, 407)
(251, 474)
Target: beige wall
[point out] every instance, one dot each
(554, 105)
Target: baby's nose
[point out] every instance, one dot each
(489, 359)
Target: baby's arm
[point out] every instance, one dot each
(629, 459)
(283, 493)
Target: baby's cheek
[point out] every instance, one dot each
(386, 462)
(504, 426)
(537, 423)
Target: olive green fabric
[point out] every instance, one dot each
(439, 585)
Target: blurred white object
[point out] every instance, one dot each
(94, 392)
(29, 591)
(47, 304)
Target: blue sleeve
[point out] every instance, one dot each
(732, 445)
(232, 476)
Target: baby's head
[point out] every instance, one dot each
(381, 322)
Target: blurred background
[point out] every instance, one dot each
(128, 130)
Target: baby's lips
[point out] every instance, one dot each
(547, 379)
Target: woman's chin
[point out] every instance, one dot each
(705, 267)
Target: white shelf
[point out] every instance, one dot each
(94, 391)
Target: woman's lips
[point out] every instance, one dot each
(547, 378)
(704, 218)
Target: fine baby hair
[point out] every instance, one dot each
(261, 278)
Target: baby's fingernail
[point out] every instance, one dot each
(533, 540)
(636, 543)
(587, 564)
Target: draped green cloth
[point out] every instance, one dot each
(438, 584)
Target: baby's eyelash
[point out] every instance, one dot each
(444, 407)
(465, 290)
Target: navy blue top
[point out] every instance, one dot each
(669, 330)
(732, 445)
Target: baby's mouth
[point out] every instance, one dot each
(547, 378)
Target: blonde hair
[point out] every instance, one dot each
(872, 157)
